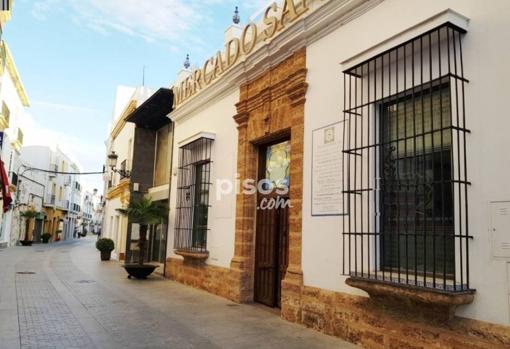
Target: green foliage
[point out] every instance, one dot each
(105, 244)
(145, 212)
(28, 214)
(46, 237)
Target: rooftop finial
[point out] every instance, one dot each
(236, 19)
(186, 62)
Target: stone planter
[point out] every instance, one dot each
(139, 271)
(106, 255)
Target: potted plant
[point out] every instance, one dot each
(45, 238)
(105, 246)
(84, 230)
(29, 215)
(144, 212)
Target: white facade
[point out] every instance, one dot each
(13, 104)
(337, 36)
(487, 145)
(120, 141)
(62, 186)
(216, 120)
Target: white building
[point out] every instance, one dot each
(386, 118)
(62, 198)
(96, 221)
(117, 184)
(87, 210)
(14, 102)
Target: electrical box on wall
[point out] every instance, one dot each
(500, 229)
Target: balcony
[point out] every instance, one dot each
(5, 10)
(63, 204)
(4, 117)
(17, 143)
(49, 200)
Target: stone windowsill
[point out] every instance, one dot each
(422, 295)
(199, 256)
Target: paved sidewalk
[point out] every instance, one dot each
(62, 296)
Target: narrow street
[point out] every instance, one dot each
(61, 296)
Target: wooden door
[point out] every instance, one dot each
(271, 254)
(272, 230)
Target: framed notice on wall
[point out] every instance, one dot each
(327, 173)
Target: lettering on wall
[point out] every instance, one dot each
(273, 22)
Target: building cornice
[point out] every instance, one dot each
(303, 32)
(121, 121)
(13, 72)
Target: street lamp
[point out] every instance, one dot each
(112, 163)
(112, 160)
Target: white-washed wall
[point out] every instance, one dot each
(485, 53)
(216, 118)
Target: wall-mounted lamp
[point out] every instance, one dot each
(112, 163)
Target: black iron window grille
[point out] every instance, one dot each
(193, 184)
(405, 174)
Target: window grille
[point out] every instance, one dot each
(193, 185)
(405, 174)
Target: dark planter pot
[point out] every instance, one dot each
(106, 255)
(45, 241)
(139, 271)
(26, 243)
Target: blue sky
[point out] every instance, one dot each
(71, 55)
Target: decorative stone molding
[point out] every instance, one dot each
(271, 106)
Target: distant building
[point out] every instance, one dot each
(87, 211)
(97, 213)
(62, 197)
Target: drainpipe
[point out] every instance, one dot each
(169, 192)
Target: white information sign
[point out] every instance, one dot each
(327, 170)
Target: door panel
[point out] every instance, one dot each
(271, 254)
(283, 249)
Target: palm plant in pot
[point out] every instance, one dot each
(105, 246)
(144, 212)
(28, 215)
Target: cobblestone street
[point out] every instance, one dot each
(62, 296)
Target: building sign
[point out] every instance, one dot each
(327, 177)
(274, 21)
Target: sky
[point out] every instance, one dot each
(72, 54)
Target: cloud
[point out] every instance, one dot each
(64, 107)
(174, 21)
(167, 20)
(87, 155)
